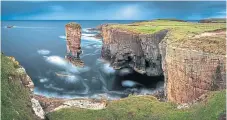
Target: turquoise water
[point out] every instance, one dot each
(40, 48)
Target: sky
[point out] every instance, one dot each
(109, 10)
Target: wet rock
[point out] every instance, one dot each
(74, 60)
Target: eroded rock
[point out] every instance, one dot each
(73, 38)
(37, 108)
(191, 73)
(138, 51)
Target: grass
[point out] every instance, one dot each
(179, 31)
(15, 98)
(73, 25)
(147, 108)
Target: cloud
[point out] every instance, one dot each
(111, 10)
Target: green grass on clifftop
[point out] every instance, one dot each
(179, 32)
(147, 108)
(15, 101)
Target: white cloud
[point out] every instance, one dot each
(129, 12)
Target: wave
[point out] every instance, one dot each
(43, 52)
(43, 80)
(56, 60)
(61, 62)
(89, 31)
(129, 83)
(69, 78)
(125, 71)
(62, 36)
(86, 30)
(51, 86)
(88, 37)
(106, 68)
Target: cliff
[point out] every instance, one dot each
(195, 67)
(189, 55)
(18, 102)
(127, 49)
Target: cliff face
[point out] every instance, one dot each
(18, 101)
(190, 73)
(73, 38)
(138, 51)
(192, 63)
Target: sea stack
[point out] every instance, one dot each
(73, 38)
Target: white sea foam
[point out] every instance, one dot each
(97, 46)
(43, 52)
(86, 30)
(56, 60)
(61, 62)
(129, 83)
(62, 36)
(125, 71)
(88, 47)
(51, 86)
(72, 79)
(90, 37)
(107, 68)
(43, 80)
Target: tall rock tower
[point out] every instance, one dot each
(73, 38)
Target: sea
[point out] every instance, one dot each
(40, 47)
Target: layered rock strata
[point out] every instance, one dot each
(190, 73)
(138, 51)
(73, 40)
(191, 70)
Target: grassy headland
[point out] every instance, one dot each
(15, 98)
(148, 108)
(180, 32)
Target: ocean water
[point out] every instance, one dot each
(40, 47)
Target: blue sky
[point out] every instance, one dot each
(107, 10)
